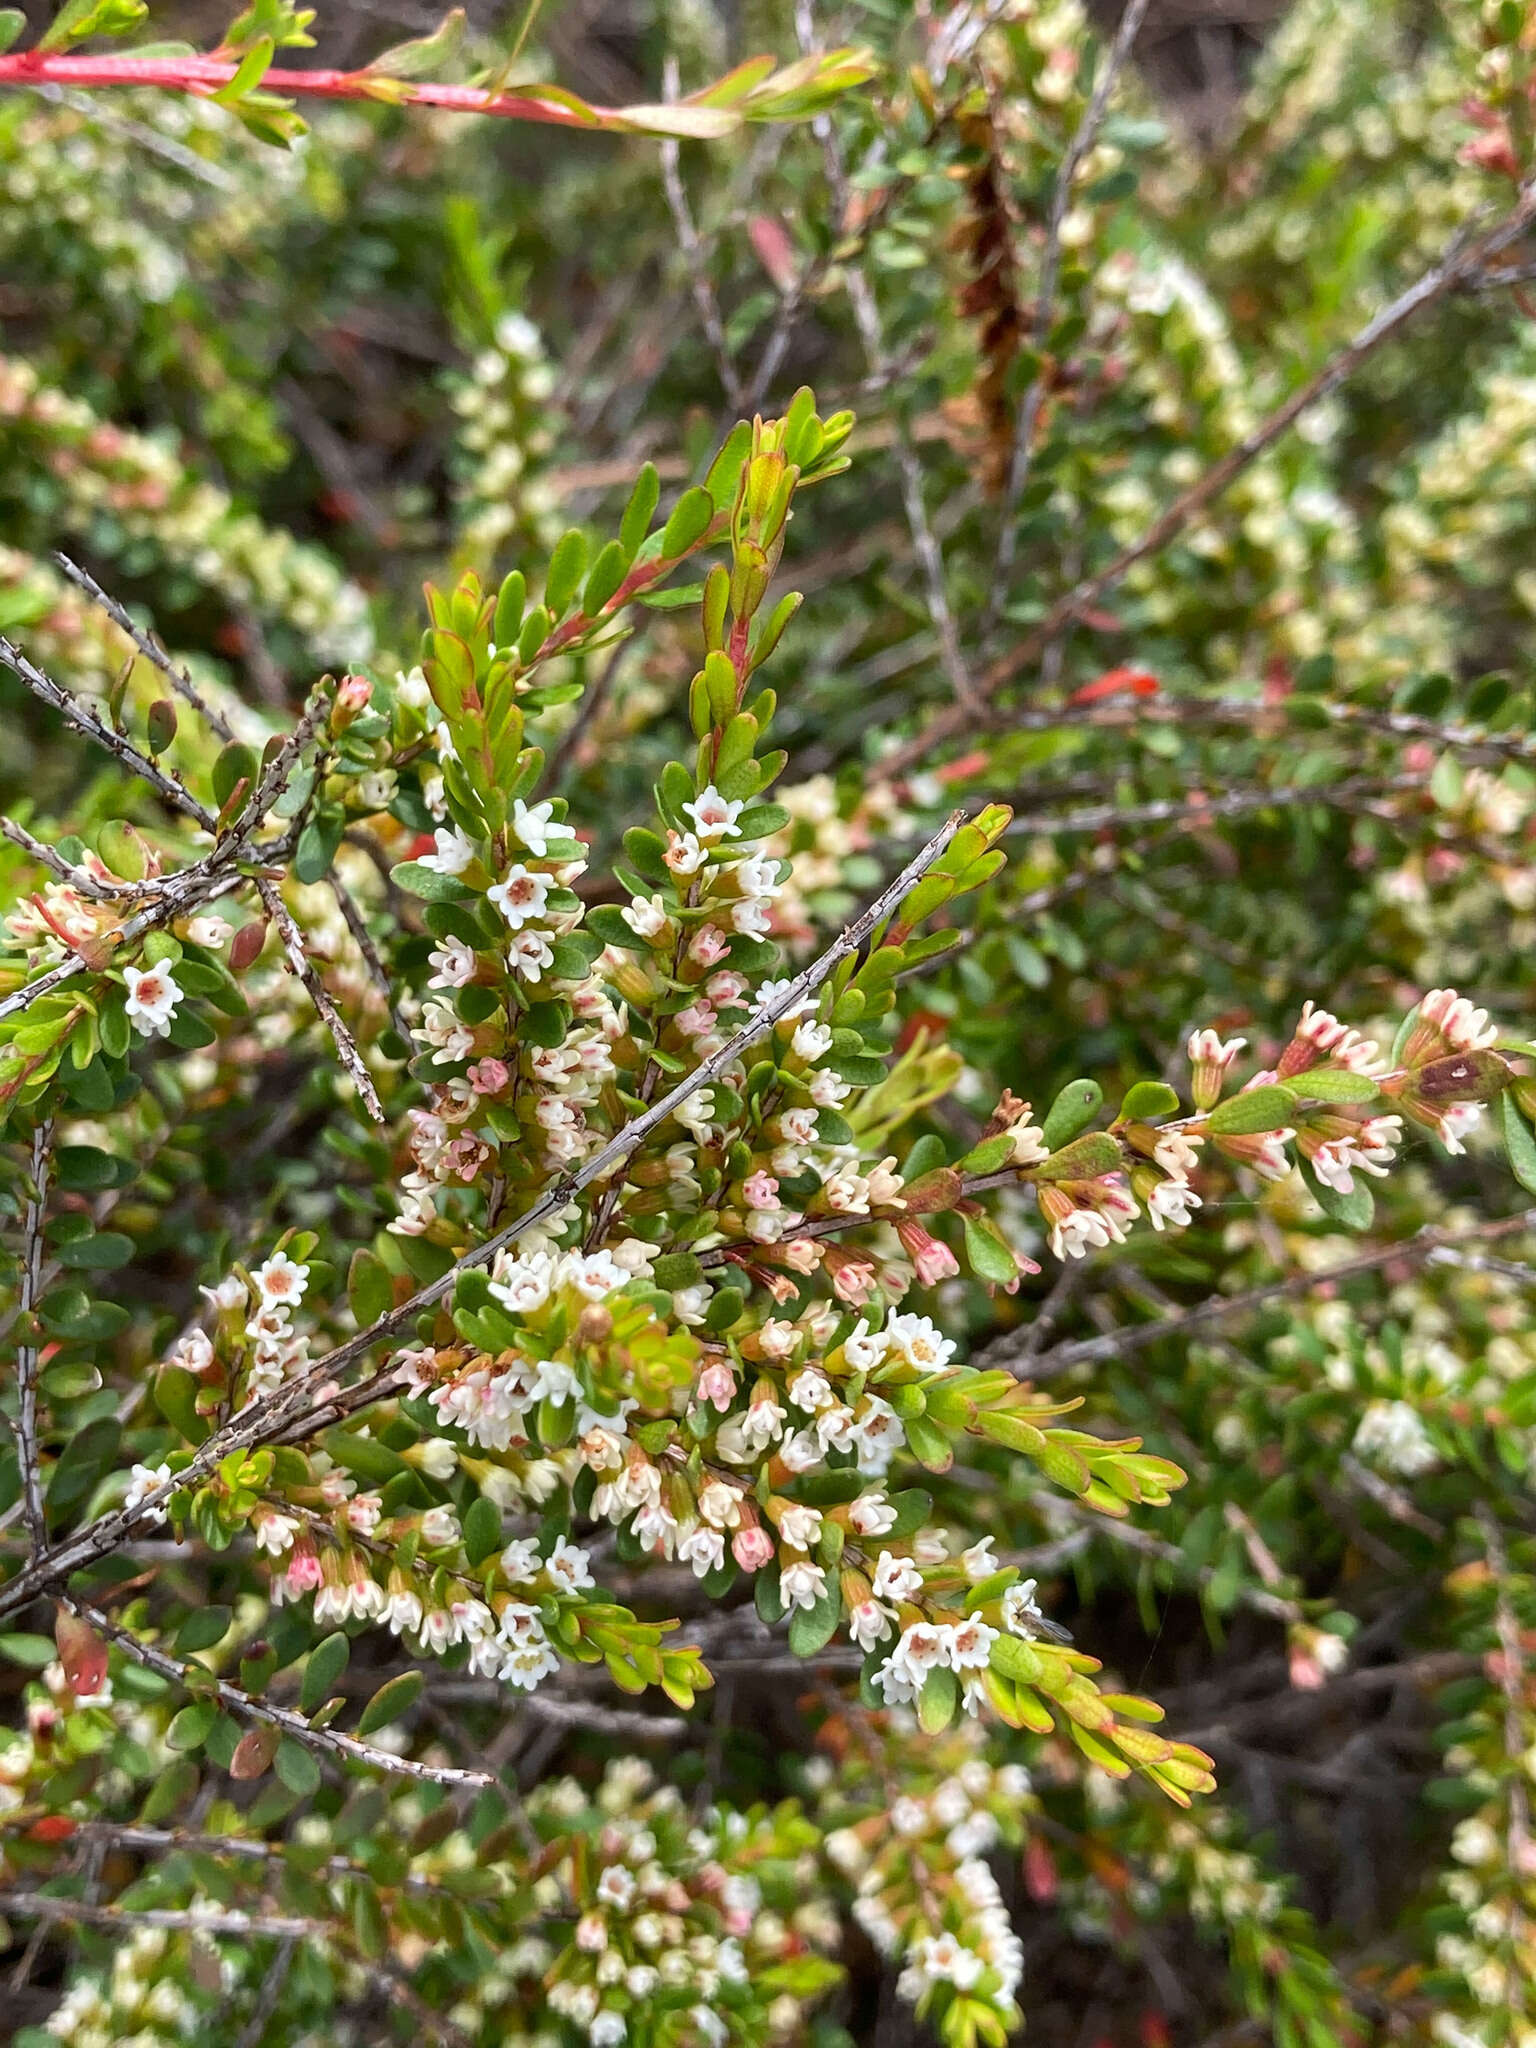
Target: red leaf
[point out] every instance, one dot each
(254, 1752)
(53, 1827)
(775, 251)
(82, 1653)
(1134, 682)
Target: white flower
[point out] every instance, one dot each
(208, 930)
(919, 1342)
(1392, 1434)
(522, 896)
(758, 876)
(143, 1481)
(865, 1348)
(704, 1549)
(829, 1090)
(978, 1562)
(439, 1526)
(646, 916)
(1171, 1201)
(750, 916)
(896, 1578)
(280, 1281)
(529, 954)
(595, 1275)
(810, 1390)
(811, 1040)
(568, 1566)
(532, 825)
(152, 999)
(453, 962)
(802, 1585)
(1021, 1611)
(521, 1561)
(870, 1623)
(872, 1515)
(770, 992)
(438, 1458)
(616, 1887)
(454, 852)
(714, 816)
(800, 1527)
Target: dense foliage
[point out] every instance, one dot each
(673, 1217)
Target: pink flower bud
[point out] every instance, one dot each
(752, 1548)
(717, 1385)
(488, 1076)
(709, 946)
(934, 1261)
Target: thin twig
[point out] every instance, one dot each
(152, 652)
(695, 256)
(866, 314)
(56, 864)
(1027, 417)
(1005, 1349)
(187, 1919)
(1520, 1849)
(1465, 256)
(263, 1420)
(86, 720)
(301, 964)
(271, 1991)
(241, 1702)
(27, 1350)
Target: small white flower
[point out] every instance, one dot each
(800, 1527)
(143, 1481)
(439, 1526)
(152, 999)
(802, 1585)
(812, 1041)
(280, 1281)
(1021, 1611)
(533, 825)
(567, 1565)
(714, 816)
(454, 852)
(896, 1578)
(522, 897)
(646, 916)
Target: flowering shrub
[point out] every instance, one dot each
(662, 1244)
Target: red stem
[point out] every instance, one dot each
(204, 76)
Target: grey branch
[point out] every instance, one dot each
(153, 653)
(301, 964)
(89, 721)
(241, 1702)
(1028, 416)
(187, 1919)
(27, 1350)
(265, 1420)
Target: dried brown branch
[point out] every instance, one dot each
(302, 966)
(151, 650)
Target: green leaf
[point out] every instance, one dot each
(370, 1289)
(688, 524)
(482, 1530)
(203, 1627)
(297, 1768)
(12, 22)
(1146, 1100)
(1334, 1084)
(190, 1728)
(938, 1701)
(236, 763)
(812, 1628)
(418, 880)
(1086, 1158)
(1255, 1110)
(565, 567)
(1072, 1111)
(32, 1651)
(1518, 1143)
(176, 1397)
(103, 1252)
(426, 54)
(390, 1702)
(986, 1252)
(327, 1661)
(1355, 1211)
